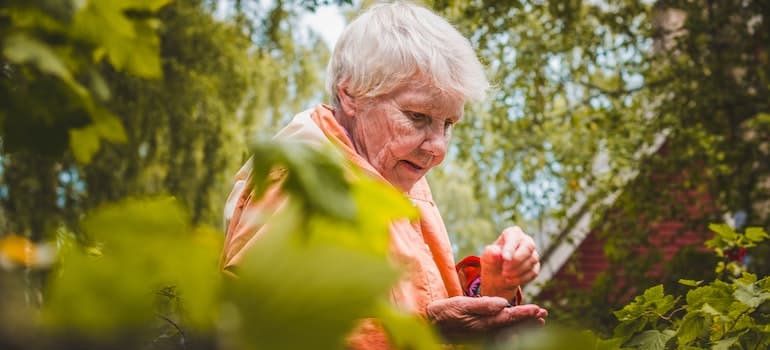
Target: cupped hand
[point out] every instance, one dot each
(466, 317)
(510, 262)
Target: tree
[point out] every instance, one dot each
(585, 89)
(184, 133)
(104, 100)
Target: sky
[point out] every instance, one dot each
(327, 21)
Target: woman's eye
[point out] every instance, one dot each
(448, 124)
(418, 117)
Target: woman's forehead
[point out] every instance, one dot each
(427, 97)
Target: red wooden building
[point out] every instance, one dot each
(576, 255)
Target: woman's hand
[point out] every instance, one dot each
(509, 263)
(464, 318)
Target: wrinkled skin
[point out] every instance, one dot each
(405, 133)
(402, 134)
(466, 318)
(510, 262)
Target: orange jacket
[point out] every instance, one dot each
(421, 247)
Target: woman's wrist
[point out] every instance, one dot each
(514, 298)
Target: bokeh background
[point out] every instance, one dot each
(616, 132)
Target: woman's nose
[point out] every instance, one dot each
(436, 141)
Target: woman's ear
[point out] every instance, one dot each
(347, 102)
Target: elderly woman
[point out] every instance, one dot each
(399, 78)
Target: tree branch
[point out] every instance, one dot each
(620, 91)
(183, 341)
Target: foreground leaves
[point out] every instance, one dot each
(723, 314)
(139, 248)
(322, 267)
(306, 283)
(728, 313)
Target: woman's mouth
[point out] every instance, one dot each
(413, 166)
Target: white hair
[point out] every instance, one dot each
(392, 43)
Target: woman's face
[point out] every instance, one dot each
(405, 133)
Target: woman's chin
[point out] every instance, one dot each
(406, 175)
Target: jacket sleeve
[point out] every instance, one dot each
(250, 216)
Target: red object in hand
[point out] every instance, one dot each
(468, 270)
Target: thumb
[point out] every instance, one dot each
(483, 305)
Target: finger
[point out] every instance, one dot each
(512, 237)
(521, 260)
(530, 263)
(483, 305)
(531, 266)
(526, 313)
(514, 315)
(521, 280)
(524, 250)
(491, 258)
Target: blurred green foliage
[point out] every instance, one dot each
(175, 91)
(107, 105)
(178, 88)
(137, 247)
(323, 265)
(306, 283)
(46, 72)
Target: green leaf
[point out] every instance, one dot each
(718, 294)
(756, 234)
(320, 180)
(109, 126)
(348, 235)
(709, 310)
(607, 344)
(20, 48)
(129, 44)
(315, 177)
(654, 293)
(148, 5)
(653, 299)
(724, 231)
(144, 246)
(320, 289)
(407, 331)
(748, 294)
(99, 86)
(628, 328)
(690, 283)
(692, 327)
(380, 204)
(724, 344)
(652, 339)
(84, 143)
